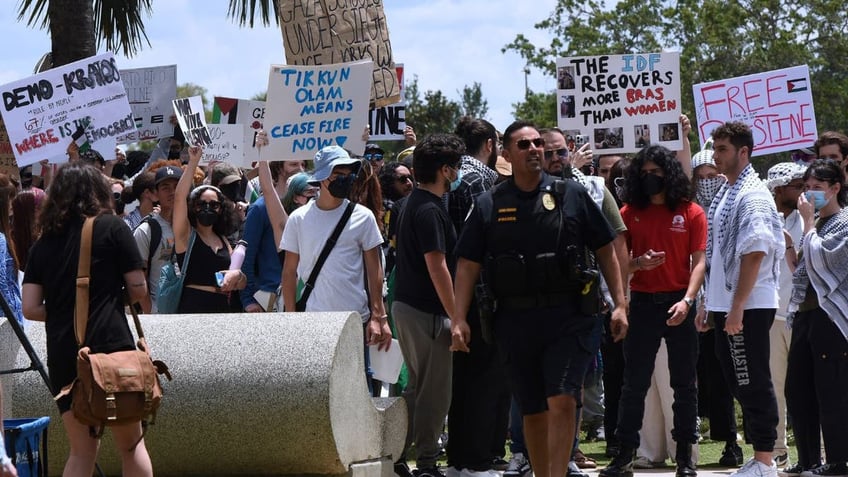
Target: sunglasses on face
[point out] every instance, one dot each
(212, 205)
(562, 153)
(374, 156)
(403, 178)
(524, 144)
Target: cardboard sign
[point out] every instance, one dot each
(44, 111)
(249, 113)
(620, 103)
(387, 123)
(227, 145)
(7, 157)
(777, 105)
(150, 92)
(311, 107)
(321, 33)
(192, 120)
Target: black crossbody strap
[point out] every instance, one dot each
(328, 247)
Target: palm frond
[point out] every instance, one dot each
(244, 11)
(36, 11)
(120, 24)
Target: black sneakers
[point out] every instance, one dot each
(621, 465)
(731, 456)
(839, 469)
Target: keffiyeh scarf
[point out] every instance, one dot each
(749, 215)
(824, 264)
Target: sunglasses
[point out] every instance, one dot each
(562, 153)
(212, 205)
(374, 156)
(524, 144)
(403, 178)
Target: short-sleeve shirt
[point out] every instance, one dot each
(678, 233)
(53, 262)
(161, 255)
(579, 209)
(424, 227)
(340, 285)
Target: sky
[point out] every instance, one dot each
(447, 44)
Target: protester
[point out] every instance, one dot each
(832, 145)
(424, 300)
(539, 281)
(143, 191)
(817, 378)
(79, 191)
(785, 181)
(204, 218)
(26, 207)
(666, 233)
(9, 263)
(744, 248)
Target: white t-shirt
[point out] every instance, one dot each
(160, 256)
(792, 224)
(764, 292)
(340, 285)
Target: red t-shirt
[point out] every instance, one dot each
(678, 234)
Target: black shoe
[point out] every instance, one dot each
(683, 458)
(575, 471)
(838, 469)
(793, 471)
(621, 465)
(498, 463)
(402, 469)
(731, 456)
(429, 472)
(612, 449)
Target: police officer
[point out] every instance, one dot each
(530, 236)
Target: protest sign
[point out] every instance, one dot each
(150, 92)
(7, 157)
(190, 116)
(44, 111)
(387, 123)
(311, 107)
(227, 145)
(321, 33)
(777, 105)
(247, 112)
(620, 103)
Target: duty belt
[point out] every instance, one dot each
(536, 301)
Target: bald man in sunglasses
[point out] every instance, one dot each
(529, 236)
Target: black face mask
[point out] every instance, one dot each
(653, 184)
(340, 187)
(206, 215)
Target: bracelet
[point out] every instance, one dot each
(790, 247)
(382, 318)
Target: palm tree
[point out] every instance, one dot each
(73, 23)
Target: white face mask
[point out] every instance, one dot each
(707, 190)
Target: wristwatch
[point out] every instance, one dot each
(689, 301)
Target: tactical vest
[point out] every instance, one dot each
(532, 246)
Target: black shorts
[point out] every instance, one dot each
(547, 353)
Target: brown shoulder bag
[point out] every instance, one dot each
(110, 388)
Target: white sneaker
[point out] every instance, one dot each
(642, 462)
(755, 468)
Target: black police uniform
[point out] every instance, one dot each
(531, 246)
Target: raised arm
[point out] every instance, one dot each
(273, 205)
(180, 224)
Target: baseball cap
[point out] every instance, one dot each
(166, 173)
(223, 174)
(328, 158)
(783, 173)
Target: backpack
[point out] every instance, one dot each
(155, 236)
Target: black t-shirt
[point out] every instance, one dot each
(53, 263)
(424, 227)
(579, 209)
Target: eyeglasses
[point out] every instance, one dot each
(525, 143)
(563, 153)
(212, 205)
(404, 178)
(373, 156)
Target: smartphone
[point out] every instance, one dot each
(219, 278)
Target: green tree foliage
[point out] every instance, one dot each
(434, 112)
(540, 108)
(717, 39)
(471, 101)
(187, 90)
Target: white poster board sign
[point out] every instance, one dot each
(227, 145)
(387, 123)
(777, 105)
(620, 103)
(42, 112)
(247, 112)
(192, 120)
(150, 92)
(312, 107)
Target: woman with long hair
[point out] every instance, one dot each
(49, 292)
(211, 217)
(25, 229)
(8, 253)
